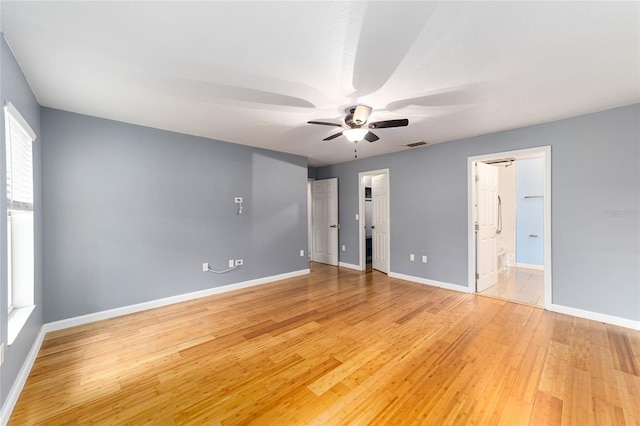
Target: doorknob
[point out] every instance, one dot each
(333, 226)
(373, 227)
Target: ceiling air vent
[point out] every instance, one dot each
(415, 144)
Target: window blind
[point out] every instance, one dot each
(19, 161)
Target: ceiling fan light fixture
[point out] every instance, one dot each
(355, 135)
(361, 114)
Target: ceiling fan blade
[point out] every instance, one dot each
(324, 123)
(371, 137)
(389, 123)
(377, 55)
(328, 138)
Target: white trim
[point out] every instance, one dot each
(530, 266)
(361, 214)
(595, 316)
(17, 319)
(433, 283)
(23, 374)
(18, 384)
(349, 265)
(13, 111)
(125, 310)
(544, 152)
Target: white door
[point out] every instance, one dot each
(324, 221)
(486, 226)
(380, 222)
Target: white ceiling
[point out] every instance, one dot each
(255, 72)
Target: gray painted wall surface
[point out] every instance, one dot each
(15, 89)
(595, 207)
(131, 213)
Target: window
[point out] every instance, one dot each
(20, 237)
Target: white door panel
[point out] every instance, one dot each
(487, 225)
(380, 222)
(324, 221)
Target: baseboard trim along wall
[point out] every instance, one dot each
(18, 385)
(125, 310)
(16, 389)
(530, 266)
(595, 316)
(580, 313)
(349, 265)
(433, 283)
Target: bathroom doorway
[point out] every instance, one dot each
(509, 212)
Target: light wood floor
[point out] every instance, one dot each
(337, 347)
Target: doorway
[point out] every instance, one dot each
(324, 221)
(374, 194)
(510, 225)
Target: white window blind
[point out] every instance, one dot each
(19, 146)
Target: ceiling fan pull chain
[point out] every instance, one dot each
(355, 149)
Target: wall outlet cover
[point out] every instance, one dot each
(239, 262)
(412, 257)
(424, 259)
(205, 267)
(231, 263)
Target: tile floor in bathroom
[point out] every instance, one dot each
(520, 285)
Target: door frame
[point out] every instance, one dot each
(540, 152)
(362, 237)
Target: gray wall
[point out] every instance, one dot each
(131, 213)
(595, 207)
(15, 89)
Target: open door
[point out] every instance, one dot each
(324, 221)
(380, 222)
(486, 226)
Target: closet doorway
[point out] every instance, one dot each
(373, 215)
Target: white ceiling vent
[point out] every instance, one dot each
(416, 144)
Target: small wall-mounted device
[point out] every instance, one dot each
(238, 201)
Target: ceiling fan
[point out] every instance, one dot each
(357, 128)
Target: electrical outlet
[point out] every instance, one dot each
(205, 267)
(238, 200)
(239, 262)
(231, 263)
(424, 259)
(344, 248)
(357, 216)
(412, 257)
(301, 253)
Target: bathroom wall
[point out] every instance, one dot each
(529, 222)
(507, 192)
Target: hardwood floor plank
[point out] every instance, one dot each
(336, 347)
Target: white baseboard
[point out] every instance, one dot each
(18, 384)
(433, 283)
(23, 374)
(595, 316)
(125, 310)
(530, 266)
(349, 265)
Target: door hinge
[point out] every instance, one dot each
(477, 178)
(477, 227)
(477, 276)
